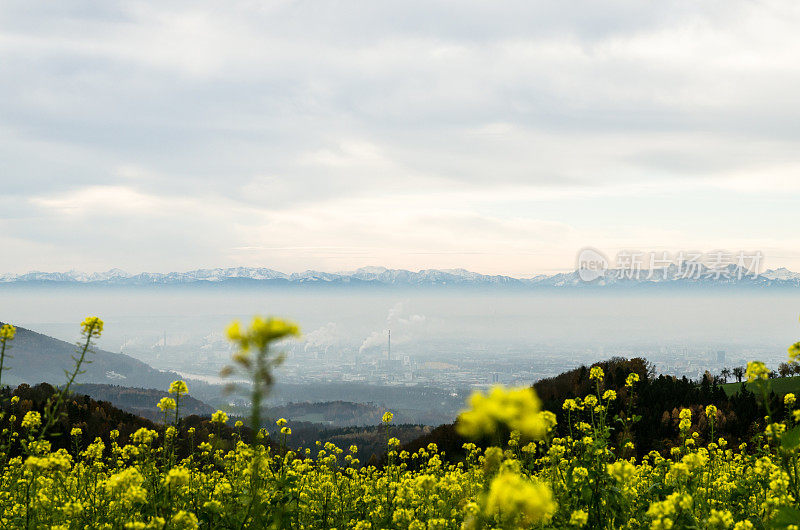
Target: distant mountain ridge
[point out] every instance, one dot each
(730, 275)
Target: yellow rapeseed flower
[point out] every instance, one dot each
(166, 403)
(7, 332)
(127, 485)
(512, 495)
(596, 373)
(144, 436)
(178, 387)
(184, 520)
(31, 420)
(570, 405)
(92, 326)
(720, 519)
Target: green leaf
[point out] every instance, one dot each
(785, 516)
(790, 440)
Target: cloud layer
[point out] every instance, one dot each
(295, 135)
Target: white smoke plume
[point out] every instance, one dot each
(376, 338)
(322, 338)
(403, 328)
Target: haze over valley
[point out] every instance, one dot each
(445, 340)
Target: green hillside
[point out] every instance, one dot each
(37, 358)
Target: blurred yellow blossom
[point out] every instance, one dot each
(261, 332)
(219, 417)
(178, 476)
(757, 370)
(511, 494)
(579, 518)
(794, 352)
(621, 470)
(515, 409)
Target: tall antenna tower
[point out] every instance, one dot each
(389, 347)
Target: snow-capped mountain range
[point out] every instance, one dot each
(731, 275)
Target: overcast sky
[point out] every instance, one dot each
(496, 136)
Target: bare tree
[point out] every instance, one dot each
(784, 369)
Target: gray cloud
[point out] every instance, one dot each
(200, 128)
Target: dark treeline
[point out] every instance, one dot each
(657, 401)
(141, 401)
(97, 419)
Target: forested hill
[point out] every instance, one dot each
(97, 418)
(141, 401)
(656, 401)
(36, 358)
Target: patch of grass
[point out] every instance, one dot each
(780, 385)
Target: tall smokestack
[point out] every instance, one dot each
(389, 347)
